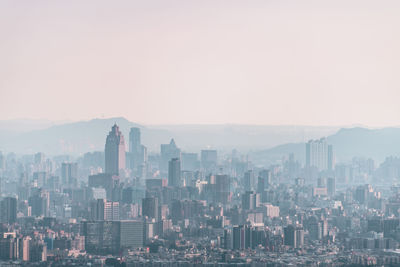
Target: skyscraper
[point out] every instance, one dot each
(134, 139)
(111, 211)
(69, 173)
(97, 209)
(331, 186)
(293, 236)
(114, 151)
(190, 161)
(331, 158)
(150, 208)
(222, 188)
(174, 172)
(209, 159)
(318, 155)
(9, 210)
(104, 210)
(39, 202)
(168, 152)
(249, 180)
(250, 200)
(106, 237)
(129, 234)
(241, 237)
(136, 150)
(39, 158)
(264, 180)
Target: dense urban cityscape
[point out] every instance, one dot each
(184, 133)
(125, 206)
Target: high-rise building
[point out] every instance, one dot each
(111, 211)
(150, 208)
(25, 248)
(317, 229)
(331, 186)
(264, 180)
(9, 210)
(299, 237)
(271, 210)
(40, 203)
(112, 236)
(314, 229)
(129, 234)
(114, 151)
(222, 188)
(40, 178)
(293, 236)
(134, 140)
(39, 158)
(99, 236)
(103, 210)
(389, 226)
(9, 247)
(250, 200)
(318, 155)
(361, 193)
(69, 173)
(209, 159)
(168, 152)
(97, 209)
(241, 237)
(190, 161)
(138, 152)
(104, 180)
(331, 158)
(249, 181)
(174, 172)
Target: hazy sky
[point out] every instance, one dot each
(254, 62)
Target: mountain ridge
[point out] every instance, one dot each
(260, 141)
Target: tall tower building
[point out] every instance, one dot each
(114, 151)
(293, 236)
(318, 155)
(8, 210)
(168, 152)
(150, 208)
(241, 236)
(222, 188)
(69, 173)
(250, 200)
(209, 160)
(103, 210)
(331, 186)
(40, 203)
(331, 158)
(174, 172)
(134, 140)
(137, 151)
(111, 211)
(249, 180)
(264, 180)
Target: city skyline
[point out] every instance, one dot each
(189, 133)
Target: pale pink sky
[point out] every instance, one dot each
(254, 62)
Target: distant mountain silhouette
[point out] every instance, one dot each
(79, 137)
(70, 138)
(374, 143)
(347, 142)
(265, 143)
